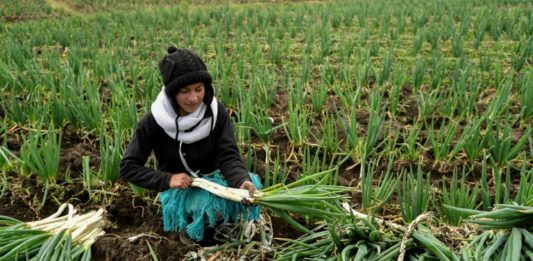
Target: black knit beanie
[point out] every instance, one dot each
(181, 67)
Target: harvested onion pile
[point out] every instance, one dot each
(53, 238)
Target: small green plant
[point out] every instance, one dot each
(414, 194)
(40, 153)
(441, 141)
(110, 155)
(410, 147)
(387, 66)
(501, 101)
(276, 171)
(427, 103)
(522, 52)
(319, 162)
(471, 141)
(457, 194)
(375, 125)
(526, 96)
(394, 95)
(318, 98)
(524, 195)
(419, 42)
(87, 174)
(499, 142)
(418, 73)
(262, 124)
(437, 69)
(297, 127)
(84, 108)
(457, 45)
(327, 136)
(375, 196)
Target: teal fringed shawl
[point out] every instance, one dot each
(186, 209)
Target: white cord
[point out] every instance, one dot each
(193, 173)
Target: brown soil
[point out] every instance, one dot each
(16, 208)
(71, 158)
(130, 216)
(27, 17)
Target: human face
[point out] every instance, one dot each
(190, 97)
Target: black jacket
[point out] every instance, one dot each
(218, 150)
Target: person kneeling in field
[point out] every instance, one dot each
(191, 135)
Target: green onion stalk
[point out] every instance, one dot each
(503, 216)
(507, 234)
(317, 200)
(54, 238)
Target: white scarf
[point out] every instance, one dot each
(165, 116)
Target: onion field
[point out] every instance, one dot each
(381, 129)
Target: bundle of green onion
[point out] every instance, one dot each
(358, 241)
(507, 235)
(363, 239)
(430, 247)
(320, 201)
(56, 237)
(516, 244)
(502, 216)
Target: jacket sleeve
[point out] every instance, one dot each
(228, 158)
(132, 165)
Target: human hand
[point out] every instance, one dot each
(180, 180)
(248, 185)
